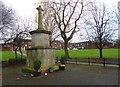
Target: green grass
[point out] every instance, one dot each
(85, 53)
(6, 55)
(91, 53)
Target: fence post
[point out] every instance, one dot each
(89, 61)
(104, 62)
(76, 60)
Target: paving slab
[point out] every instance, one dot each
(74, 74)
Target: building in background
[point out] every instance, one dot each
(59, 45)
(26, 43)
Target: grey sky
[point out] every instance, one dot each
(27, 8)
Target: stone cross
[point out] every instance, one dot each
(40, 25)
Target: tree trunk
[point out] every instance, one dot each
(66, 50)
(101, 56)
(21, 53)
(16, 54)
(100, 46)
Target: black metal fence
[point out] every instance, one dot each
(91, 61)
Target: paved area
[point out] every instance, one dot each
(0, 76)
(73, 75)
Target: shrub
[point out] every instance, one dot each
(12, 61)
(4, 63)
(62, 60)
(24, 61)
(19, 61)
(16, 62)
(37, 64)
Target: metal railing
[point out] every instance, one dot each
(93, 61)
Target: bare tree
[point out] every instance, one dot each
(17, 42)
(7, 17)
(66, 16)
(117, 10)
(100, 25)
(20, 35)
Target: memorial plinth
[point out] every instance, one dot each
(40, 48)
(46, 56)
(40, 38)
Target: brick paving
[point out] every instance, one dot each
(73, 75)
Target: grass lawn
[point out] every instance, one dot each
(7, 55)
(83, 53)
(91, 53)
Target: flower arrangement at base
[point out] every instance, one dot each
(61, 66)
(33, 71)
(46, 73)
(51, 69)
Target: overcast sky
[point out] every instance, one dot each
(27, 8)
(23, 8)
